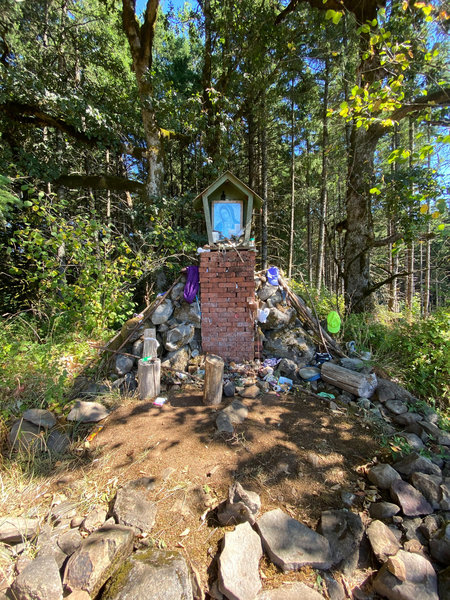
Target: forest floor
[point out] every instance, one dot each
(292, 450)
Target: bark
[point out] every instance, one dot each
(292, 220)
(359, 234)
(309, 232)
(140, 40)
(324, 183)
(264, 191)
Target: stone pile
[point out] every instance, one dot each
(178, 331)
(38, 430)
(105, 554)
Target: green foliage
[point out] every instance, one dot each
(76, 267)
(413, 350)
(8, 200)
(323, 302)
(38, 356)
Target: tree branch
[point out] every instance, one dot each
(100, 182)
(439, 98)
(34, 115)
(387, 240)
(377, 286)
(365, 10)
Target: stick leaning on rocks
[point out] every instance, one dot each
(305, 316)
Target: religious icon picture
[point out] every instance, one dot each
(227, 218)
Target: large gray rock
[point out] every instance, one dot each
(429, 486)
(445, 494)
(440, 436)
(242, 505)
(97, 558)
(407, 418)
(124, 364)
(291, 591)
(133, 508)
(444, 584)
(343, 530)
(288, 368)
(64, 510)
(40, 417)
(293, 343)
(58, 442)
(388, 390)
(229, 389)
(415, 578)
(188, 313)
(177, 293)
(163, 312)
(239, 564)
(87, 412)
(382, 475)
(17, 529)
(266, 291)
(236, 411)
(383, 510)
(383, 541)
(290, 544)
(440, 546)
(177, 360)
(155, 574)
(47, 545)
(279, 317)
(396, 406)
(223, 423)
(411, 501)
(69, 541)
(39, 580)
(413, 440)
(94, 519)
(415, 463)
(25, 437)
(178, 336)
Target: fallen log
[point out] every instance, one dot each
(359, 384)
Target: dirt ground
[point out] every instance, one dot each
(292, 450)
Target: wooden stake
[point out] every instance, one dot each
(212, 392)
(149, 375)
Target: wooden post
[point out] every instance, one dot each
(359, 384)
(149, 375)
(150, 346)
(212, 391)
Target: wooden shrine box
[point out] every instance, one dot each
(227, 270)
(228, 207)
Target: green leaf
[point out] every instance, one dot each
(375, 190)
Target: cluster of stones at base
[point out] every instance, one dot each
(178, 331)
(109, 555)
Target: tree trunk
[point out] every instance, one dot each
(140, 39)
(308, 213)
(292, 221)
(324, 188)
(391, 230)
(264, 189)
(410, 249)
(359, 235)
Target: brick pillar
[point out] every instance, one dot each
(227, 287)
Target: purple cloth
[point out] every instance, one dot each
(192, 283)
